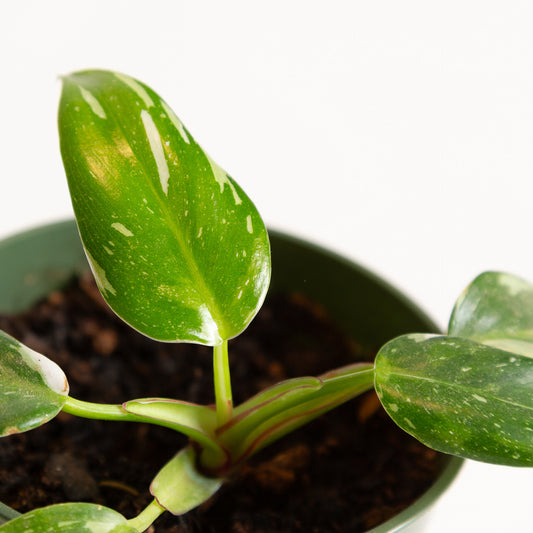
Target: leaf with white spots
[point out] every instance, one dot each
(69, 518)
(33, 389)
(459, 396)
(496, 309)
(177, 248)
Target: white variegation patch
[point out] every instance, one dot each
(513, 284)
(137, 88)
(409, 423)
(122, 229)
(249, 225)
(156, 145)
(176, 121)
(94, 104)
(209, 326)
(222, 179)
(51, 373)
(100, 276)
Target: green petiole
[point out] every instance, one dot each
(147, 516)
(224, 398)
(99, 411)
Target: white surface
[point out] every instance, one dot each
(397, 133)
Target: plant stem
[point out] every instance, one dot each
(100, 411)
(224, 399)
(147, 516)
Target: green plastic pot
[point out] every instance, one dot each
(36, 262)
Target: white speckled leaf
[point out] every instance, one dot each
(69, 518)
(459, 396)
(496, 309)
(177, 248)
(33, 389)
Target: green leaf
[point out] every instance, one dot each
(290, 405)
(196, 421)
(496, 309)
(70, 518)
(180, 487)
(177, 248)
(459, 396)
(33, 389)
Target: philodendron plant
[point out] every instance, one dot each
(180, 253)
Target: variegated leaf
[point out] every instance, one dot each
(69, 518)
(177, 248)
(459, 396)
(33, 389)
(496, 309)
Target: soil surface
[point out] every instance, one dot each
(345, 472)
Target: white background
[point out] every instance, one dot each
(397, 133)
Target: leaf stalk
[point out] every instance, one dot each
(147, 516)
(223, 395)
(99, 411)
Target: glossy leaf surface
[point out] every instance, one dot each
(496, 309)
(33, 389)
(180, 487)
(177, 248)
(70, 518)
(459, 396)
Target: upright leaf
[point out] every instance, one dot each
(177, 248)
(496, 309)
(33, 389)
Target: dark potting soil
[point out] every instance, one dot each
(345, 472)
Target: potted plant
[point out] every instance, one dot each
(180, 253)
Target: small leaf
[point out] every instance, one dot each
(70, 518)
(280, 414)
(459, 397)
(180, 487)
(198, 422)
(33, 389)
(496, 309)
(177, 248)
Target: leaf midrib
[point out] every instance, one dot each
(191, 262)
(459, 386)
